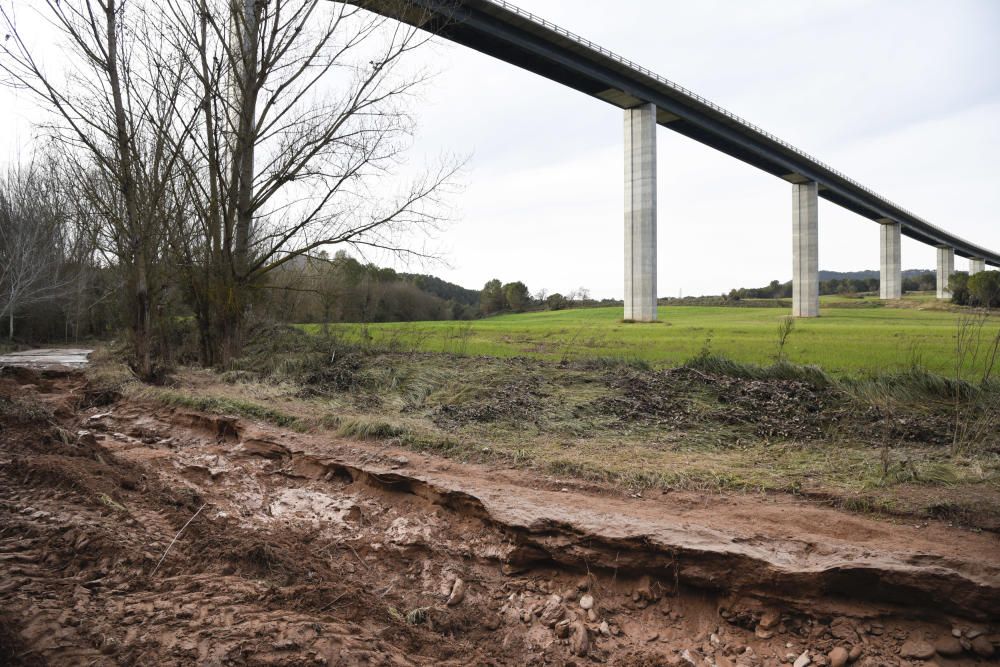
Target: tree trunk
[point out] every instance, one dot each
(141, 329)
(242, 148)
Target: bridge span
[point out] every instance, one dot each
(504, 31)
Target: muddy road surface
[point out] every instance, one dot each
(136, 534)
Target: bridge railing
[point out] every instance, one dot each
(583, 41)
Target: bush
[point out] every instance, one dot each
(556, 301)
(958, 285)
(984, 289)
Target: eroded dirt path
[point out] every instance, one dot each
(137, 534)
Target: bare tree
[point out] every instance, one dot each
(109, 108)
(218, 140)
(302, 120)
(32, 239)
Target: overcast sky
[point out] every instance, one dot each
(901, 95)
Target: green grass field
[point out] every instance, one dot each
(844, 340)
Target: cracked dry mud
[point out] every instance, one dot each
(138, 534)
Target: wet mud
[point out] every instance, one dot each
(135, 534)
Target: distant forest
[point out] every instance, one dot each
(835, 282)
(321, 288)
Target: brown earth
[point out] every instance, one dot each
(136, 534)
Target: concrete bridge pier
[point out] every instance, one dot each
(890, 284)
(805, 250)
(640, 213)
(945, 267)
(976, 265)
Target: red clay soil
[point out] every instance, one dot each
(141, 535)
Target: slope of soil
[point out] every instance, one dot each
(139, 534)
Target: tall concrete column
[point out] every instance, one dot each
(976, 265)
(890, 285)
(945, 267)
(640, 213)
(805, 250)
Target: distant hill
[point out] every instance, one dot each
(865, 275)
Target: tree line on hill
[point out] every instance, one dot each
(913, 281)
(324, 289)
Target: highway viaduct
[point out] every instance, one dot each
(504, 31)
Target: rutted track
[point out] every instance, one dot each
(310, 550)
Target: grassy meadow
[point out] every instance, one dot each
(851, 336)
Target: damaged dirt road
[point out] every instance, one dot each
(137, 534)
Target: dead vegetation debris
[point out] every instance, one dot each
(520, 401)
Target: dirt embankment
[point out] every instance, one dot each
(136, 534)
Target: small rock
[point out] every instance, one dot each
(587, 601)
(972, 633)
(457, 593)
(747, 659)
(855, 653)
(948, 646)
(714, 640)
(492, 622)
(917, 649)
(842, 628)
(763, 633)
(803, 660)
(956, 632)
(526, 616)
(605, 629)
(770, 619)
(591, 615)
(644, 589)
(562, 629)
(653, 636)
(982, 647)
(838, 657)
(688, 658)
(553, 611)
(579, 640)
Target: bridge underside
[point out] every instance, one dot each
(506, 33)
(551, 52)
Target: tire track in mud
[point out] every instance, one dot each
(316, 553)
(546, 531)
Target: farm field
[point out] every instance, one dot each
(851, 336)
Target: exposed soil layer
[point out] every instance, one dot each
(137, 534)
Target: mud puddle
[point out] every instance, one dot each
(141, 535)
